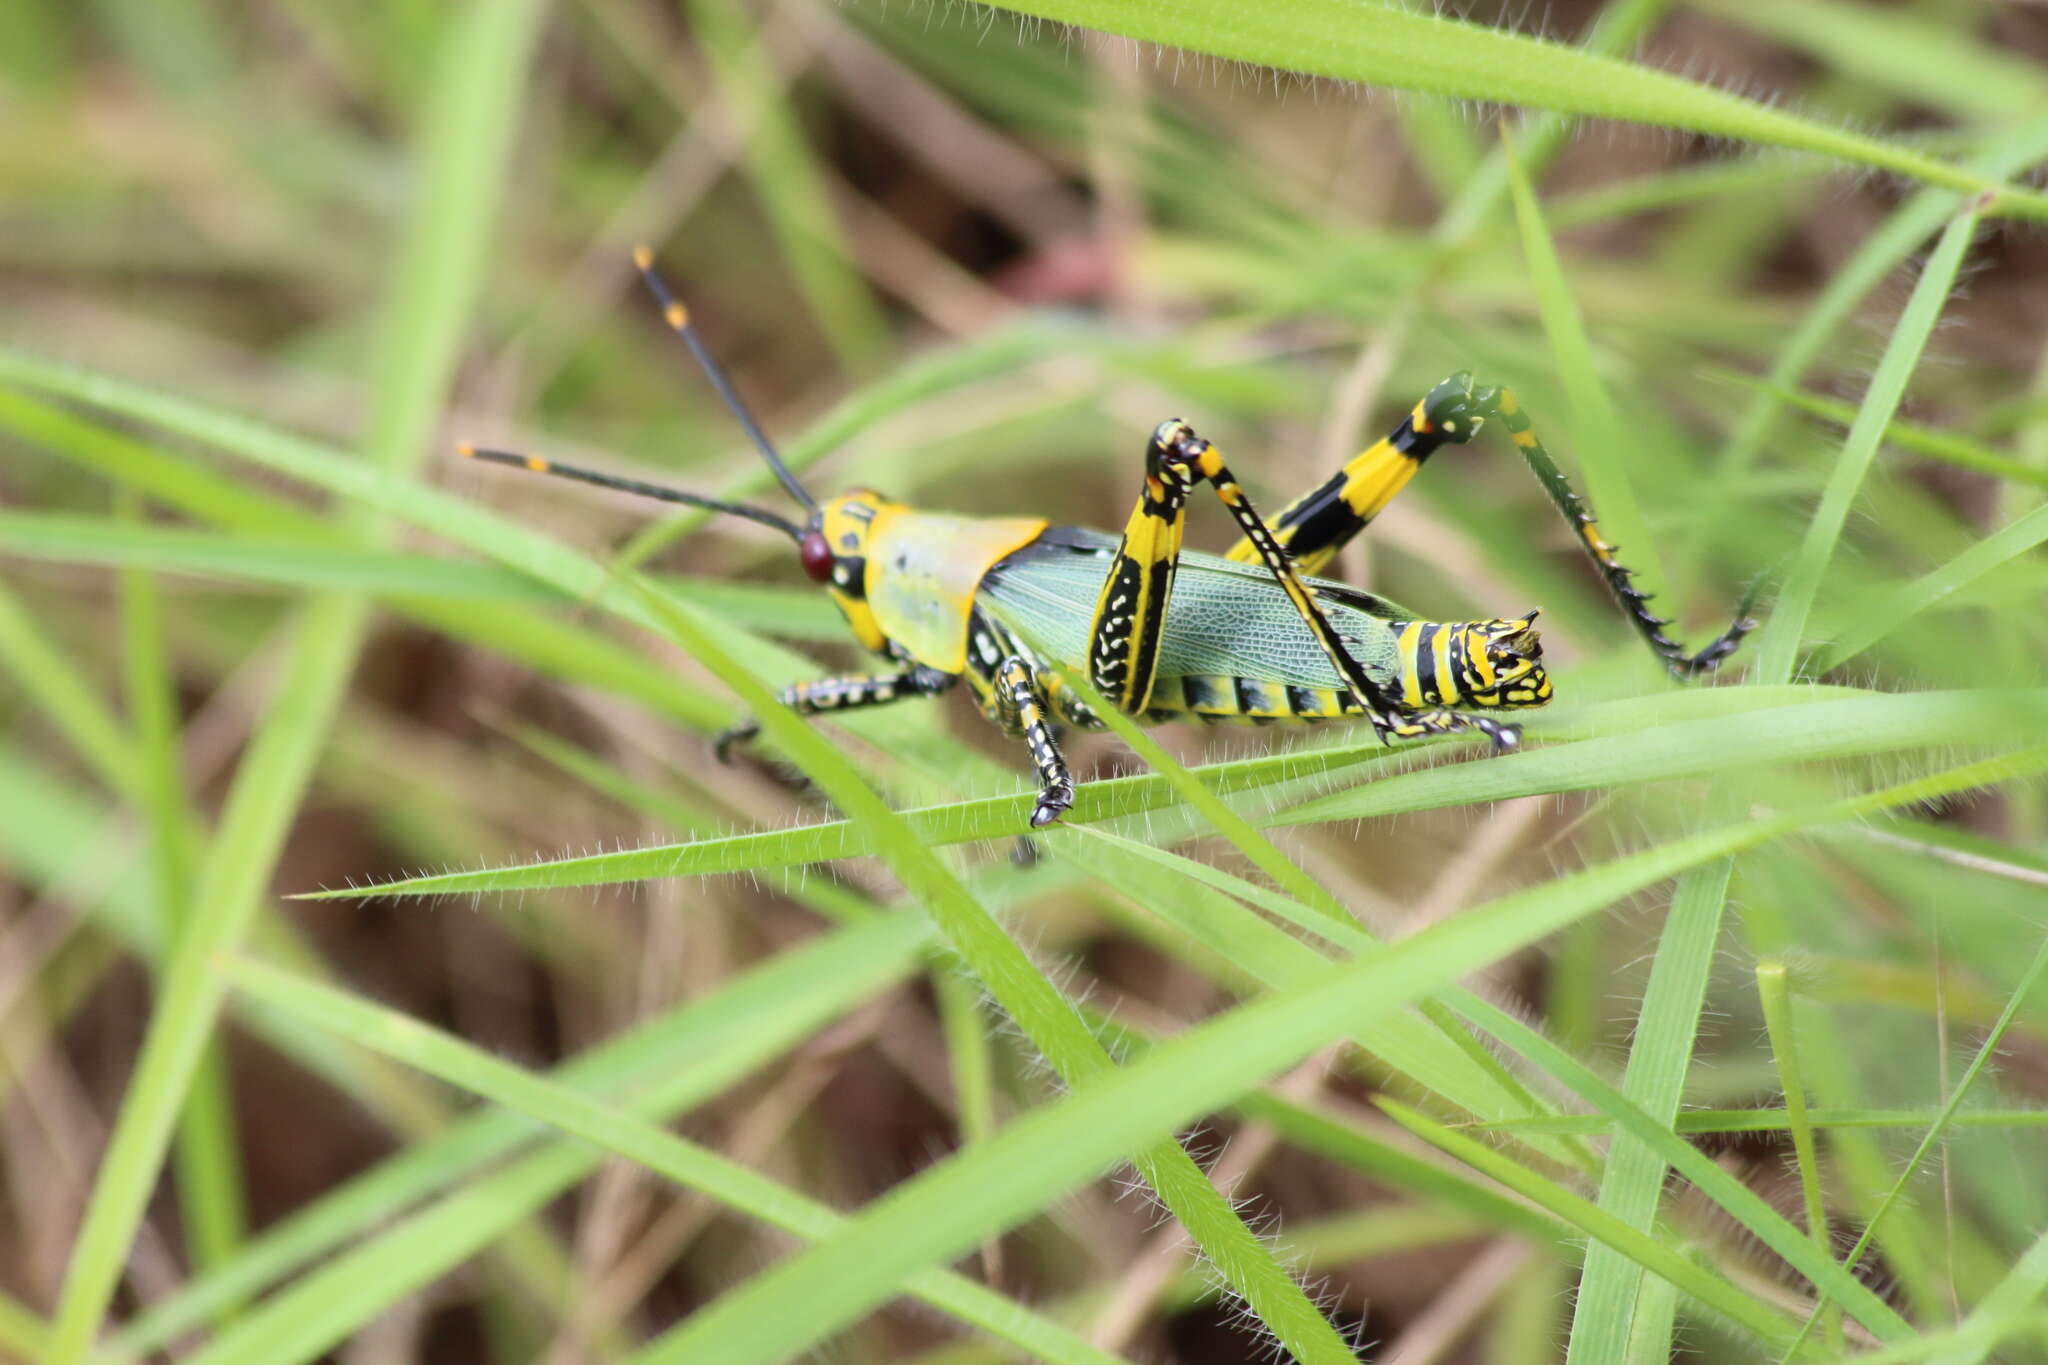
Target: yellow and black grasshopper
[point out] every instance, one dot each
(1164, 633)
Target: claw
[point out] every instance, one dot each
(721, 748)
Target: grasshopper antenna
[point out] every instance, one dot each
(537, 465)
(678, 318)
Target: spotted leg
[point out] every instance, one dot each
(844, 694)
(1021, 708)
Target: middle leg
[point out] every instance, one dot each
(1019, 706)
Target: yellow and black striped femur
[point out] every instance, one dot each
(1016, 606)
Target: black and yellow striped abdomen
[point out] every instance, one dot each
(1220, 699)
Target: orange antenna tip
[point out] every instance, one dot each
(677, 315)
(643, 257)
(466, 451)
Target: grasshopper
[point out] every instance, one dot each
(1008, 603)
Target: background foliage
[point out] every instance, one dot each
(1709, 1025)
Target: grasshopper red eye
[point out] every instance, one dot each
(816, 555)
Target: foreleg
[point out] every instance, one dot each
(844, 694)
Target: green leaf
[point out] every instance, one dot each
(467, 134)
(1779, 645)
(1361, 40)
(1046, 1018)
(1053, 1149)
(688, 1164)
(1605, 1316)
(667, 1064)
(1631, 1245)
(321, 646)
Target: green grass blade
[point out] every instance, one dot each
(1778, 1121)
(1053, 1149)
(1358, 40)
(1881, 253)
(1986, 1050)
(1924, 61)
(670, 1063)
(459, 171)
(260, 806)
(1777, 650)
(1605, 1313)
(1875, 622)
(461, 520)
(1908, 436)
(60, 690)
(137, 465)
(1650, 741)
(1616, 31)
(2002, 1310)
(686, 1163)
(789, 180)
(1630, 1244)
(296, 562)
(1775, 993)
(1488, 1085)
(207, 1156)
(988, 818)
(1046, 1018)
(468, 131)
(1742, 1203)
(21, 1331)
(1598, 426)
(318, 1312)
(1432, 1049)
(1679, 748)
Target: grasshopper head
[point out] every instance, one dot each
(834, 552)
(834, 548)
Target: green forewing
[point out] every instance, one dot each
(1224, 618)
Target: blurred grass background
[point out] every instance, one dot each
(265, 263)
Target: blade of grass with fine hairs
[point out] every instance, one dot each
(665, 1065)
(1283, 963)
(1676, 734)
(1357, 40)
(1778, 644)
(1047, 1018)
(688, 1164)
(1055, 1148)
